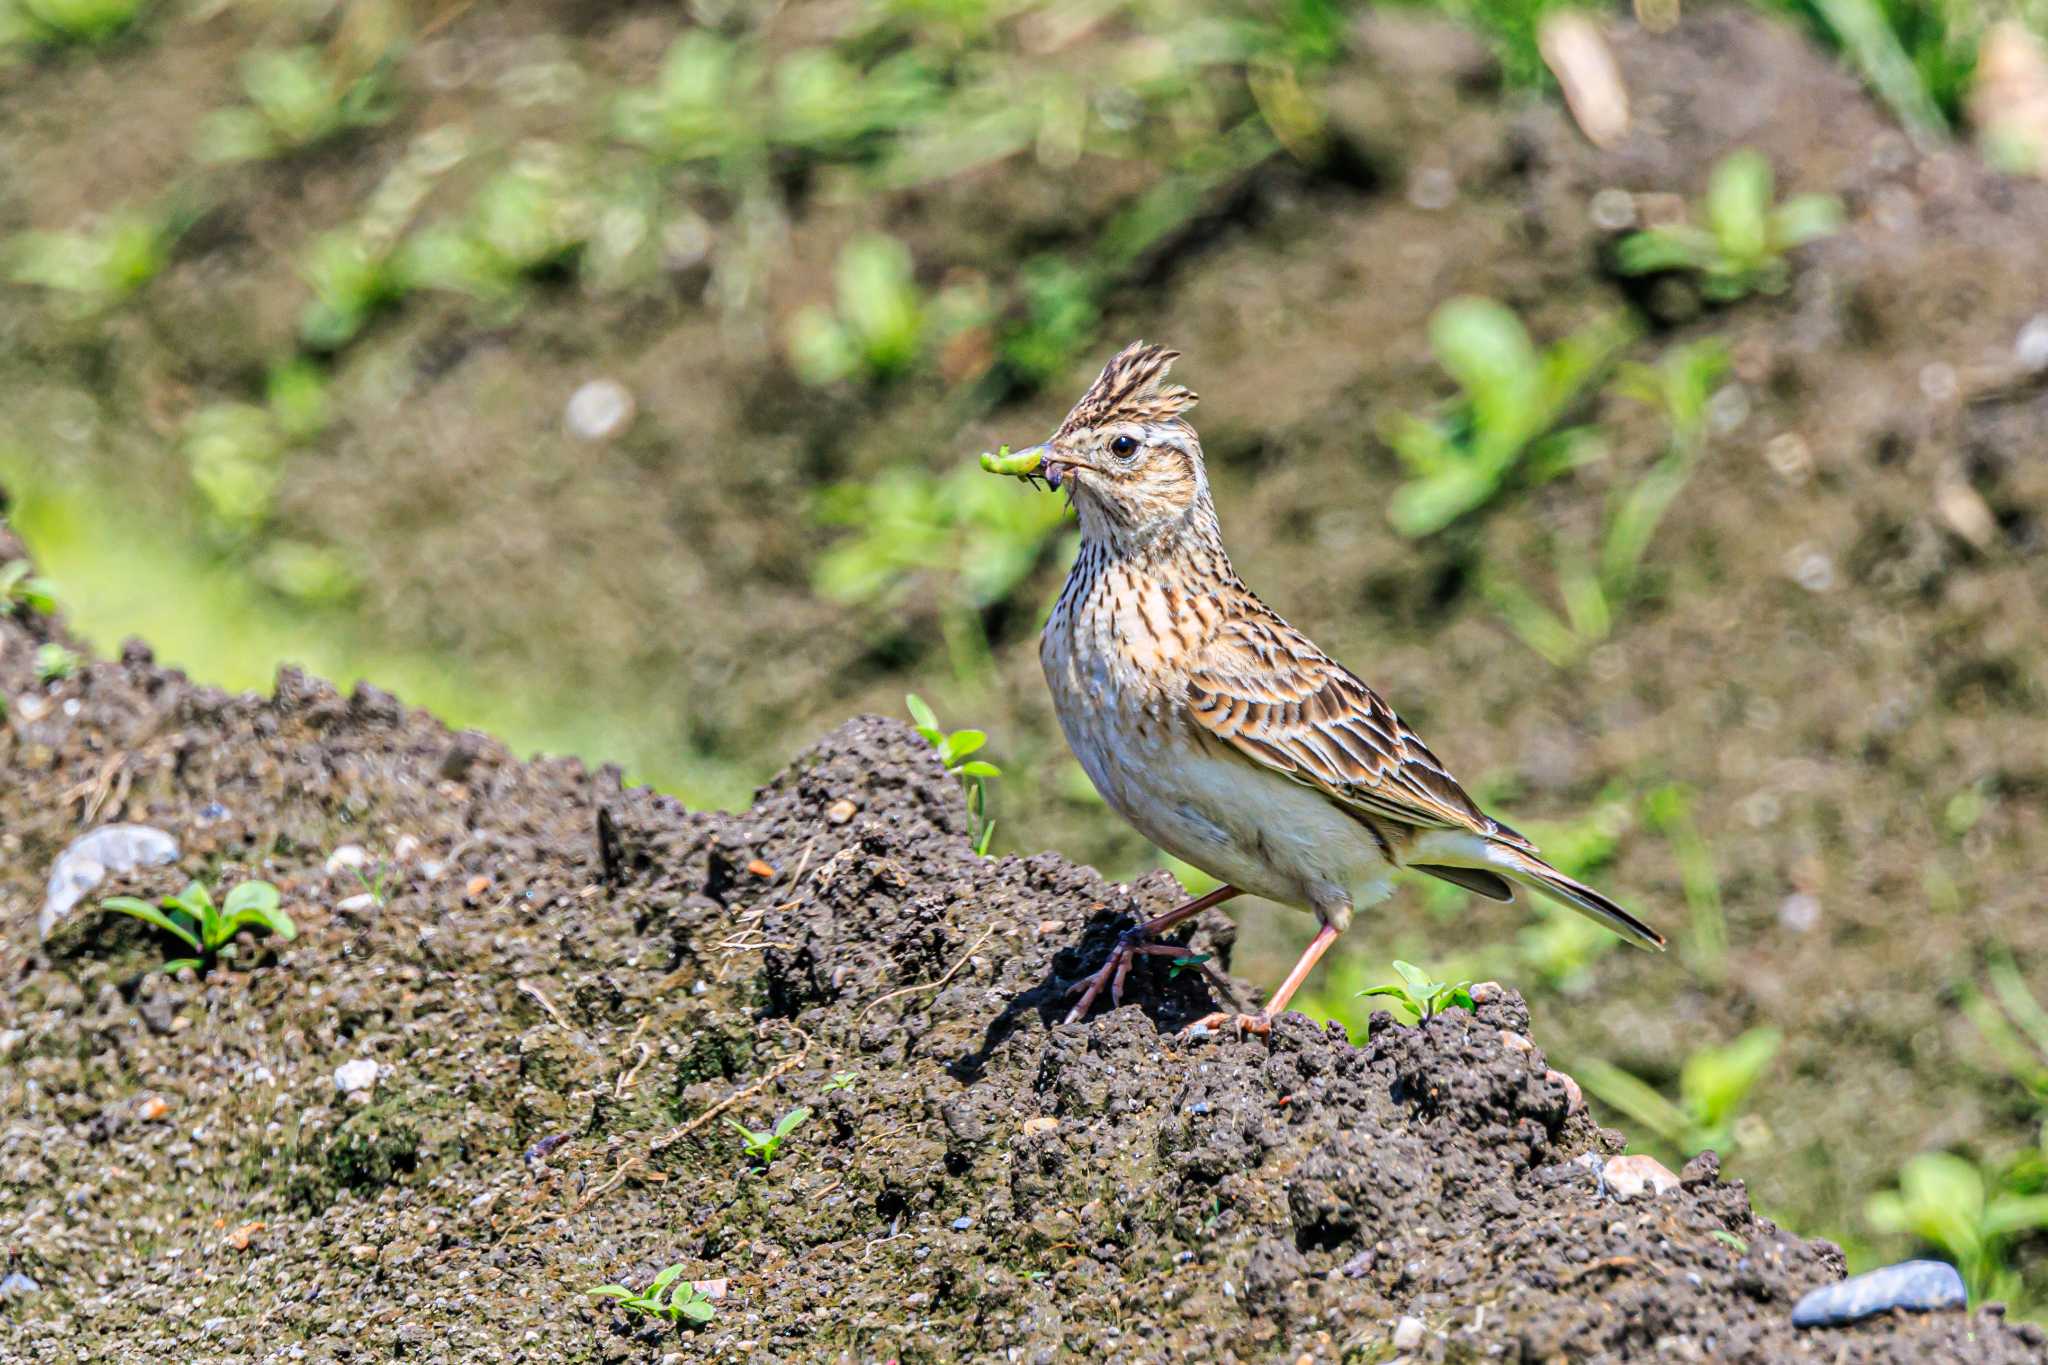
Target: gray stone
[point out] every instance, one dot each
(18, 1286)
(1633, 1177)
(358, 1075)
(1917, 1286)
(1408, 1334)
(87, 860)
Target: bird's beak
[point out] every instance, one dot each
(1033, 462)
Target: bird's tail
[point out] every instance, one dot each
(1471, 850)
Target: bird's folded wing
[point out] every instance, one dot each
(1266, 690)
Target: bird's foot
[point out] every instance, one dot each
(1130, 945)
(1211, 1024)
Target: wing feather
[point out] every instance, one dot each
(1263, 688)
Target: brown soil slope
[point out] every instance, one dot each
(568, 988)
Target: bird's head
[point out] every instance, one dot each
(1126, 456)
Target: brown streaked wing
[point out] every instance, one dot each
(1262, 687)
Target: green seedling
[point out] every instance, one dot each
(972, 541)
(1504, 427)
(529, 219)
(1668, 810)
(53, 23)
(1948, 1203)
(1713, 1086)
(1185, 964)
(883, 324)
(1420, 996)
(21, 588)
(55, 662)
(670, 1298)
(103, 266)
(763, 1145)
(1741, 249)
(1596, 584)
(192, 917)
(295, 101)
(841, 1080)
(354, 276)
(956, 750)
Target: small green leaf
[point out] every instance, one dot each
(921, 713)
(698, 1308)
(665, 1279)
(612, 1291)
(251, 895)
(980, 768)
(143, 910)
(960, 744)
(1419, 984)
(179, 964)
(791, 1121)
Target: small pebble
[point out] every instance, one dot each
(362, 900)
(360, 1074)
(1044, 1123)
(86, 861)
(840, 811)
(1917, 1286)
(962, 1223)
(18, 1285)
(346, 857)
(152, 1108)
(1574, 1098)
(599, 410)
(1799, 912)
(1613, 210)
(2031, 346)
(1408, 1334)
(1630, 1177)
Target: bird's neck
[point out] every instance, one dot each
(1189, 537)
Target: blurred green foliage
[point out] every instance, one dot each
(1714, 1084)
(296, 100)
(1504, 425)
(1740, 247)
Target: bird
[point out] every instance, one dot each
(1220, 732)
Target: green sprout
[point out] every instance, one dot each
(102, 266)
(55, 662)
(670, 1297)
(192, 917)
(295, 102)
(955, 752)
(1593, 585)
(763, 1145)
(882, 325)
(1420, 996)
(1505, 424)
(1946, 1201)
(83, 23)
(841, 1080)
(1713, 1086)
(354, 276)
(21, 588)
(972, 539)
(528, 219)
(1741, 249)
(1186, 963)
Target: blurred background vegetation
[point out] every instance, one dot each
(1650, 403)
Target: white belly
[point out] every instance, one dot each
(1254, 829)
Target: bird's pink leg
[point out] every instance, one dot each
(1262, 1022)
(1141, 940)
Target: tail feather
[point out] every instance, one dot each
(1586, 901)
(1471, 850)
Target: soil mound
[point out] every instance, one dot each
(566, 989)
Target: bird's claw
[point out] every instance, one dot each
(1113, 972)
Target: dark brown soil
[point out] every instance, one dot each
(1829, 661)
(570, 986)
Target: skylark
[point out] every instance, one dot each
(1218, 730)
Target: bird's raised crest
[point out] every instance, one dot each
(1131, 388)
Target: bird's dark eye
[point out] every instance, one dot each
(1123, 445)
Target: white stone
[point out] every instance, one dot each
(1631, 1177)
(87, 860)
(346, 857)
(599, 410)
(1408, 1334)
(360, 1074)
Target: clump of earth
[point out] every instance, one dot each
(495, 1068)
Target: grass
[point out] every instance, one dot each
(209, 930)
(1504, 426)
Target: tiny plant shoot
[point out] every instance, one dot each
(209, 931)
(762, 1146)
(954, 751)
(1422, 997)
(1741, 248)
(670, 1297)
